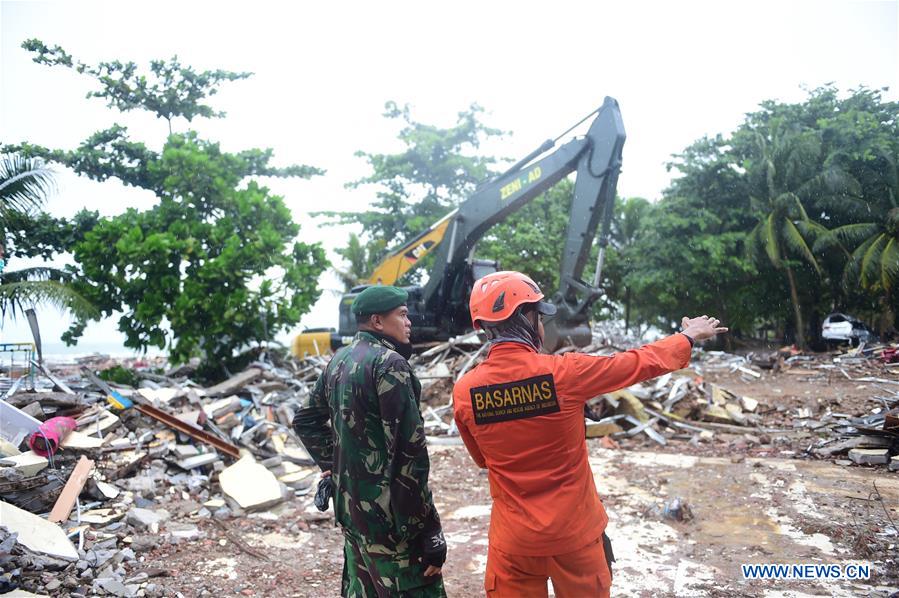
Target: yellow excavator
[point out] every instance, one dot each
(439, 309)
(387, 272)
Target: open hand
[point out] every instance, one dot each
(701, 328)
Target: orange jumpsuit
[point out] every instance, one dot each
(521, 416)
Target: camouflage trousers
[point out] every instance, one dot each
(370, 571)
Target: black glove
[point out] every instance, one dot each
(433, 547)
(607, 550)
(323, 493)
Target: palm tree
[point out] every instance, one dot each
(872, 248)
(785, 168)
(24, 186)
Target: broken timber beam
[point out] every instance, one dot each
(233, 384)
(175, 423)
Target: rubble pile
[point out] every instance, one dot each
(685, 406)
(142, 467)
(94, 475)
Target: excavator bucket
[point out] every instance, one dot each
(559, 333)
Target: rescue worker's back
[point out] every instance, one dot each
(521, 414)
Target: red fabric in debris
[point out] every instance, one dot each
(45, 441)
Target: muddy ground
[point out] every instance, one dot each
(755, 499)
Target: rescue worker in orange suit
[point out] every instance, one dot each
(521, 416)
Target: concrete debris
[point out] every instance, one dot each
(146, 519)
(748, 404)
(29, 464)
(250, 484)
(184, 531)
(8, 449)
(200, 460)
(870, 456)
(717, 414)
(37, 534)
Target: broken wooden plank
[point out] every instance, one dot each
(78, 440)
(234, 383)
(599, 429)
(72, 489)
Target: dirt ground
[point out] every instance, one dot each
(756, 499)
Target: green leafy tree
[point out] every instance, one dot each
(438, 168)
(862, 134)
(687, 262)
(170, 90)
(627, 223)
(214, 265)
(685, 253)
(857, 136)
(361, 260)
(26, 231)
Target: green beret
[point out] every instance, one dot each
(379, 299)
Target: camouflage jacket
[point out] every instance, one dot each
(375, 444)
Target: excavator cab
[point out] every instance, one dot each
(456, 318)
(426, 326)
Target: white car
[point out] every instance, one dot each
(840, 328)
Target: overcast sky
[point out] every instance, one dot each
(323, 71)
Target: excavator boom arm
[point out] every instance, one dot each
(597, 160)
(404, 259)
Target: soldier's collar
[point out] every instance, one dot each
(404, 349)
(380, 338)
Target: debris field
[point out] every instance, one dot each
(169, 488)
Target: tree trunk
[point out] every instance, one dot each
(627, 309)
(726, 338)
(797, 311)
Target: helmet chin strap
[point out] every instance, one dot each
(517, 329)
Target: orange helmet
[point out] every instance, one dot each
(496, 296)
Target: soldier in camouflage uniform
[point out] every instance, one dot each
(362, 422)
